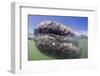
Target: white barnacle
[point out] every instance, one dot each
(52, 38)
(53, 43)
(70, 45)
(65, 44)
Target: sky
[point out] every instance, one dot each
(77, 23)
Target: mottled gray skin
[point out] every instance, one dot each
(63, 44)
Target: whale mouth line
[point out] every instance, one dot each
(52, 31)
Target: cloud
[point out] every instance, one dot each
(81, 33)
(84, 33)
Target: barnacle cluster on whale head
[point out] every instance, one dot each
(56, 40)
